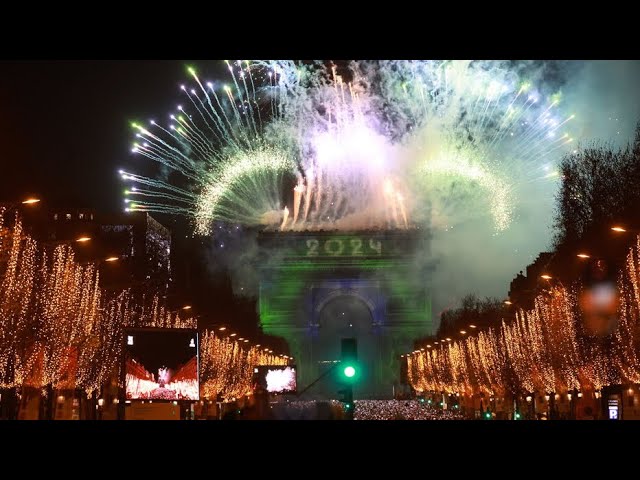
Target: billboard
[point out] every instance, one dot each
(277, 378)
(161, 364)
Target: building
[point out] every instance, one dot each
(142, 244)
(319, 287)
(138, 244)
(524, 288)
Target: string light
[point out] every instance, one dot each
(58, 328)
(226, 366)
(540, 350)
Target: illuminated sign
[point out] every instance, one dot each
(161, 364)
(340, 246)
(613, 409)
(354, 246)
(276, 379)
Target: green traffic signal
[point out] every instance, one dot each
(349, 371)
(517, 415)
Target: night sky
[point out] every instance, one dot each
(64, 125)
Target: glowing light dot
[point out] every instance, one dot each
(349, 372)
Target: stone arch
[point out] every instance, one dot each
(343, 292)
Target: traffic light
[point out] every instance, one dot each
(349, 372)
(516, 416)
(349, 368)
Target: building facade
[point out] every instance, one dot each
(317, 288)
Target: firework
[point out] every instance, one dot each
(295, 146)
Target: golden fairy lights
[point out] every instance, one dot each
(226, 366)
(545, 349)
(59, 328)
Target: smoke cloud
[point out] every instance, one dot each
(465, 150)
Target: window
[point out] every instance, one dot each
(55, 216)
(92, 216)
(81, 216)
(68, 216)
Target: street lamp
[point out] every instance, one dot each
(618, 229)
(583, 255)
(8, 207)
(546, 277)
(96, 262)
(508, 302)
(186, 307)
(83, 239)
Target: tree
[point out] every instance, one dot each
(599, 188)
(473, 311)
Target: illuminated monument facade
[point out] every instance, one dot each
(320, 287)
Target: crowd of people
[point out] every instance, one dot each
(364, 410)
(401, 410)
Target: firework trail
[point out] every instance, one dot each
(389, 144)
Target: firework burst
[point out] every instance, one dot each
(295, 146)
